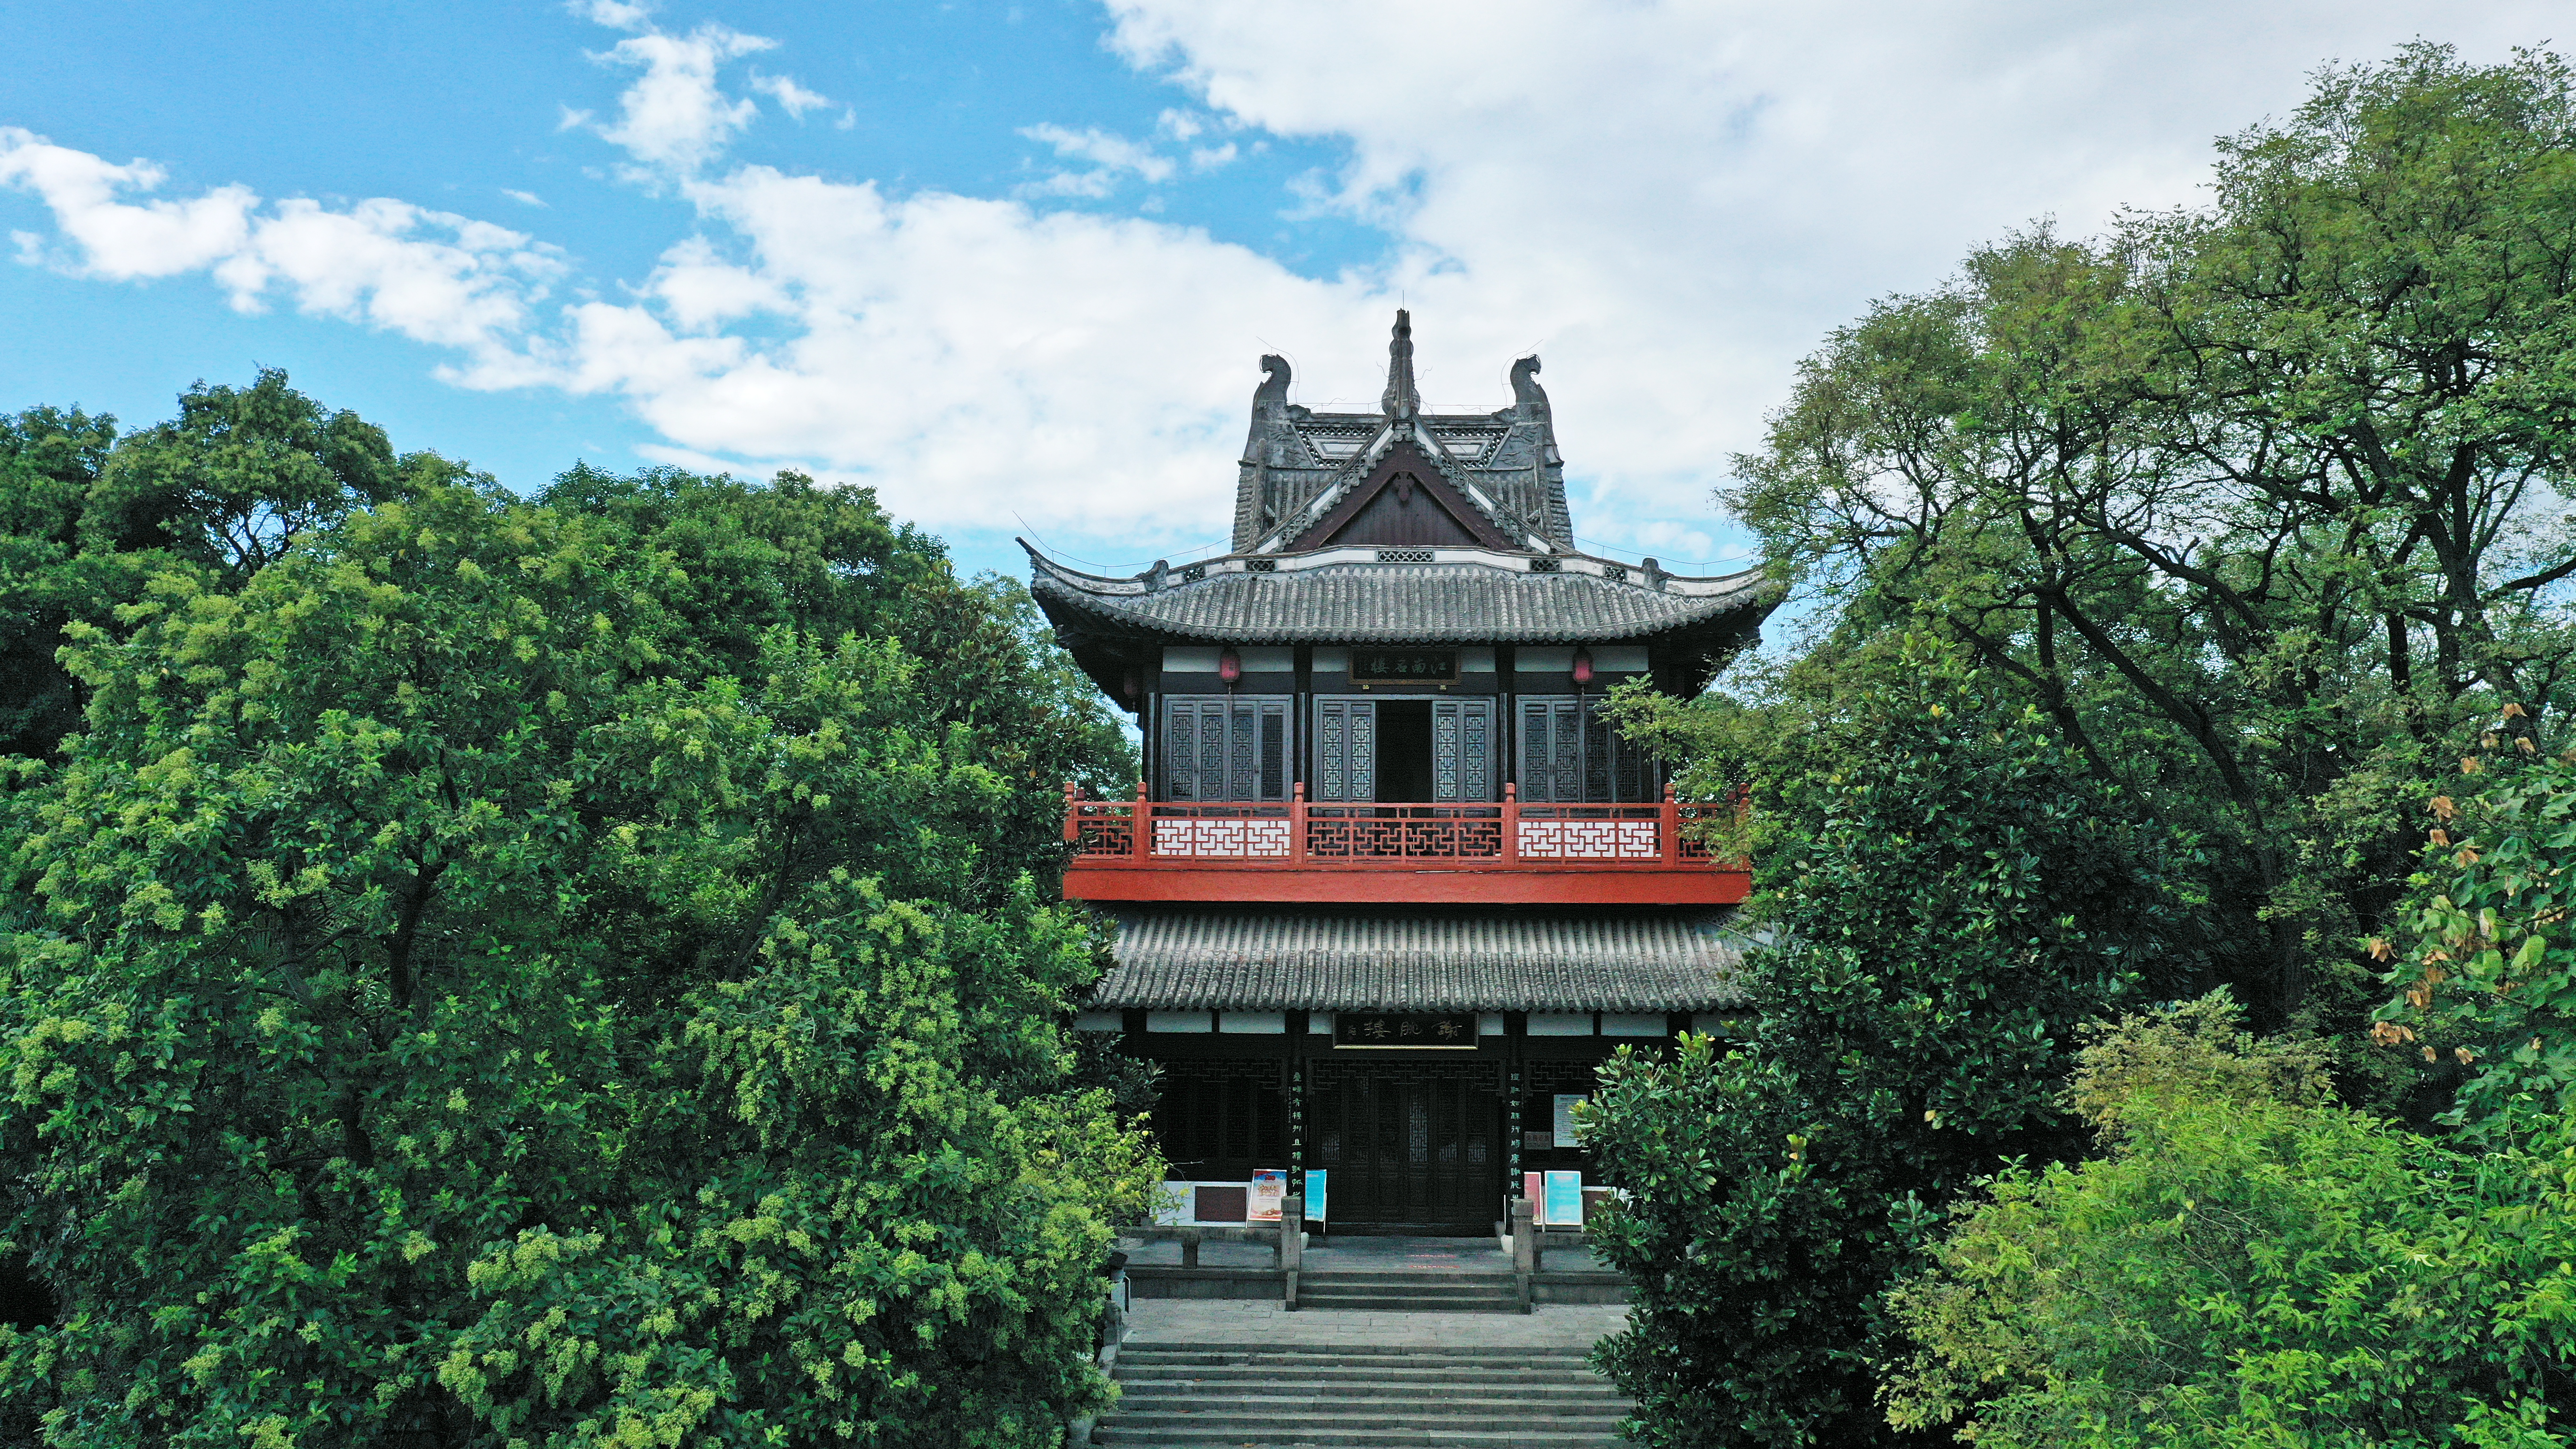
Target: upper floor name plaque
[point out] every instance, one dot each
(1405, 666)
(1455, 1030)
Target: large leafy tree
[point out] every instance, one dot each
(86, 517)
(2249, 1264)
(2263, 503)
(49, 462)
(463, 996)
(750, 558)
(1951, 896)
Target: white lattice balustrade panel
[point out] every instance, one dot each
(1589, 840)
(1222, 839)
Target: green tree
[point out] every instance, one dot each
(2483, 958)
(2249, 1265)
(457, 1003)
(49, 462)
(1951, 895)
(232, 480)
(86, 517)
(2263, 503)
(751, 558)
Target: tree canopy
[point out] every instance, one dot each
(570, 972)
(1951, 898)
(2166, 588)
(2262, 502)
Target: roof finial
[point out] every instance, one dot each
(1402, 400)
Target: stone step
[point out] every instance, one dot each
(1417, 1355)
(1304, 1385)
(1359, 1396)
(1598, 1419)
(1286, 1436)
(1360, 1386)
(1502, 1272)
(1390, 1362)
(1361, 1383)
(1360, 1372)
(1398, 1303)
(1411, 1280)
(1140, 1408)
(1428, 1287)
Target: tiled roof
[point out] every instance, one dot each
(1416, 960)
(1296, 460)
(1454, 595)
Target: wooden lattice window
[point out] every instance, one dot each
(1345, 749)
(1227, 747)
(1463, 752)
(1570, 754)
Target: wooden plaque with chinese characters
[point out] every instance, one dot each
(1453, 1031)
(1405, 666)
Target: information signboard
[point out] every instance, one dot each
(1564, 1199)
(1269, 1189)
(1566, 1135)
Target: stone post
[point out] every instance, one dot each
(1292, 1244)
(1524, 1248)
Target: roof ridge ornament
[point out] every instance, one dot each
(1402, 400)
(1529, 400)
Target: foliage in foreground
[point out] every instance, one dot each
(460, 1000)
(1954, 897)
(2250, 1265)
(2487, 976)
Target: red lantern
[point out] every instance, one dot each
(1229, 666)
(1583, 666)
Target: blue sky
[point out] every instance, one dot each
(1014, 264)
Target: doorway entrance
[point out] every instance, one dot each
(1404, 750)
(1409, 1148)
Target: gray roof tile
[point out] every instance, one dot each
(1234, 959)
(1406, 603)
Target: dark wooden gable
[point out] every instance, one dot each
(1404, 500)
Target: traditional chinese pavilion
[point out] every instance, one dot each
(1391, 889)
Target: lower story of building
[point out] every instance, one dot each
(1420, 1122)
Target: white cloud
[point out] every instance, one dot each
(940, 345)
(1675, 200)
(1671, 201)
(432, 276)
(674, 119)
(119, 240)
(791, 97)
(615, 14)
(524, 198)
(1109, 151)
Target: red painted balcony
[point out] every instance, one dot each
(1501, 853)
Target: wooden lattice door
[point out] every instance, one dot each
(1414, 1148)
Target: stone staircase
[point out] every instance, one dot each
(1219, 1396)
(1397, 1291)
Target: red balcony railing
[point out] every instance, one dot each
(1298, 837)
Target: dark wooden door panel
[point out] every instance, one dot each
(1413, 1147)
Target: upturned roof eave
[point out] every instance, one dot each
(1722, 606)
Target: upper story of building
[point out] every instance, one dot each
(1390, 689)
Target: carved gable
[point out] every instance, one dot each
(1403, 502)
